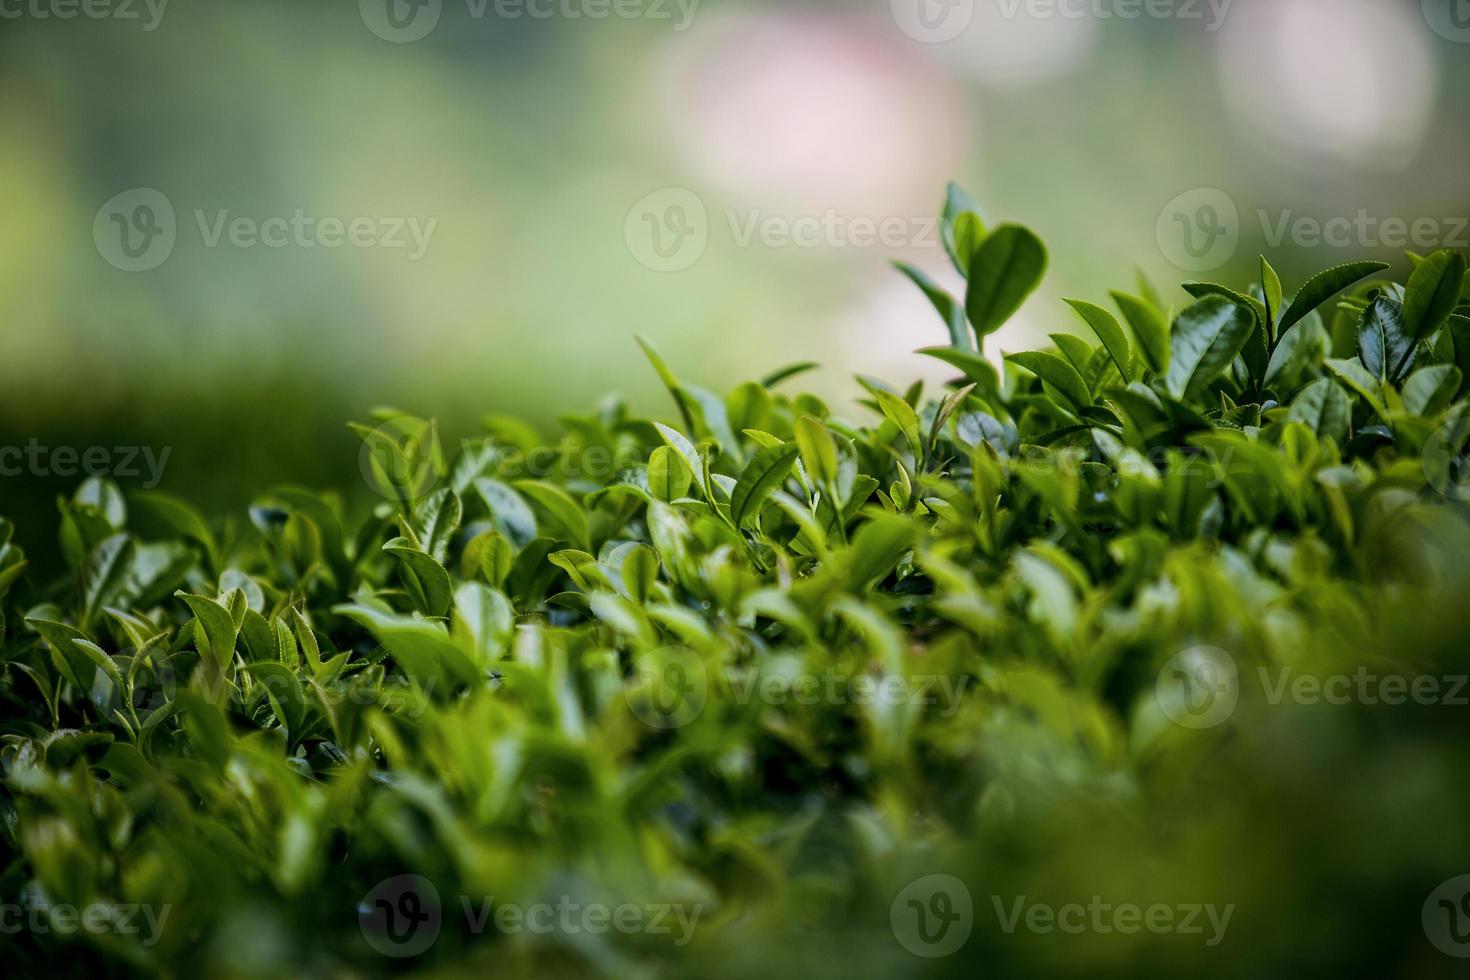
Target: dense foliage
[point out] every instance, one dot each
(771, 667)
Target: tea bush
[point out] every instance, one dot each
(976, 682)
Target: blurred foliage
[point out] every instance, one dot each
(529, 139)
(534, 671)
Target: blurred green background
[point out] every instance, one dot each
(529, 142)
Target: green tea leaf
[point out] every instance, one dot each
(1428, 391)
(1110, 333)
(961, 228)
(668, 478)
(901, 414)
(1005, 270)
(509, 510)
(1385, 345)
(1150, 330)
(1324, 407)
(105, 575)
(435, 519)
(1322, 287)
(1205, 339)
(974, 367)
(484, 621)
(1271, 291)
(951, 310)
(1433, 293)
(1058, 373)
(763, 474)
(560, 507)
(425, 580)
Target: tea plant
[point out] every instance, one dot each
(774, 662)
